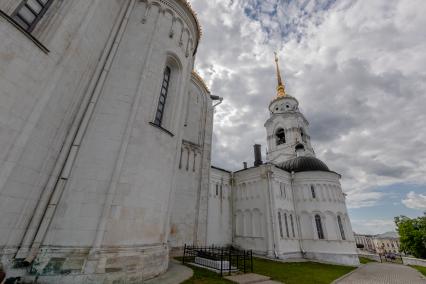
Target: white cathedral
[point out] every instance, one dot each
(105, 151)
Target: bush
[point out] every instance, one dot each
(412, 234)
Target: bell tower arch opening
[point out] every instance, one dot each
(280, 136)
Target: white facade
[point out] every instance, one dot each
(92, 186)
(105, 150)
(291, 207)
(274, 215)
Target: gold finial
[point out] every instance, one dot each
(280, 86)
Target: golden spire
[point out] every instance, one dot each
(280, 86)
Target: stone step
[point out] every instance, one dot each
(249, 278)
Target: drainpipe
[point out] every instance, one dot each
(197, 206)
(271, 209)
(299, 231)
(232, 208)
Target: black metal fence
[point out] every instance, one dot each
(223, 259)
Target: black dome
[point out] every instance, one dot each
(303, 164)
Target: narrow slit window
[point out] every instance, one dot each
(313, 192)
(319, 227)
(342, 232)
(292, 225)
(286, 225)
(30, 12)
(163, 97)
(280, 223)
(302, 134)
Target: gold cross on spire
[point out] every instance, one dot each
(280, 86)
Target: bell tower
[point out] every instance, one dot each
(287, 127)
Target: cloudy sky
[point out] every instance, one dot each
(358, 69)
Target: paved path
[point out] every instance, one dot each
(176, 273)
(251, 278)
(386, 273)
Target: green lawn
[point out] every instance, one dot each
(422, 269)
(289, 273)
(300, 272)
(365, 260)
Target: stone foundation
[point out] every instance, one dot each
(343, 259)
(109, 265)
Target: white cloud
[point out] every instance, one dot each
(356, 67)
(415, 201)
(372, 226)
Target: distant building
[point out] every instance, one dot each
(387, 243)
(382, 243)
(366, 241)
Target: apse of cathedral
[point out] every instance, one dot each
(105, 151)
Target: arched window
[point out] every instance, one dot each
(342, 232)
(163, 96)
(280, 136)
(286, 225)
(292, 225)
(280, 223)
(318, 224)
(29, 13)
(313, 191)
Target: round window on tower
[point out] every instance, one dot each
(287, 106)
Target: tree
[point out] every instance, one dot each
(412, 234)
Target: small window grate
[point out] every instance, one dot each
(30, 12)
(342, 231)
(163, 97)
(319, 227)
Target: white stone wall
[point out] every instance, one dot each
(414, 261)
(328, 203)
(117, 202)
(287, 230)
(110, 209)
(263, 195)
(40, 96)
(219, 229)
(194, 158)
(252, 224)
